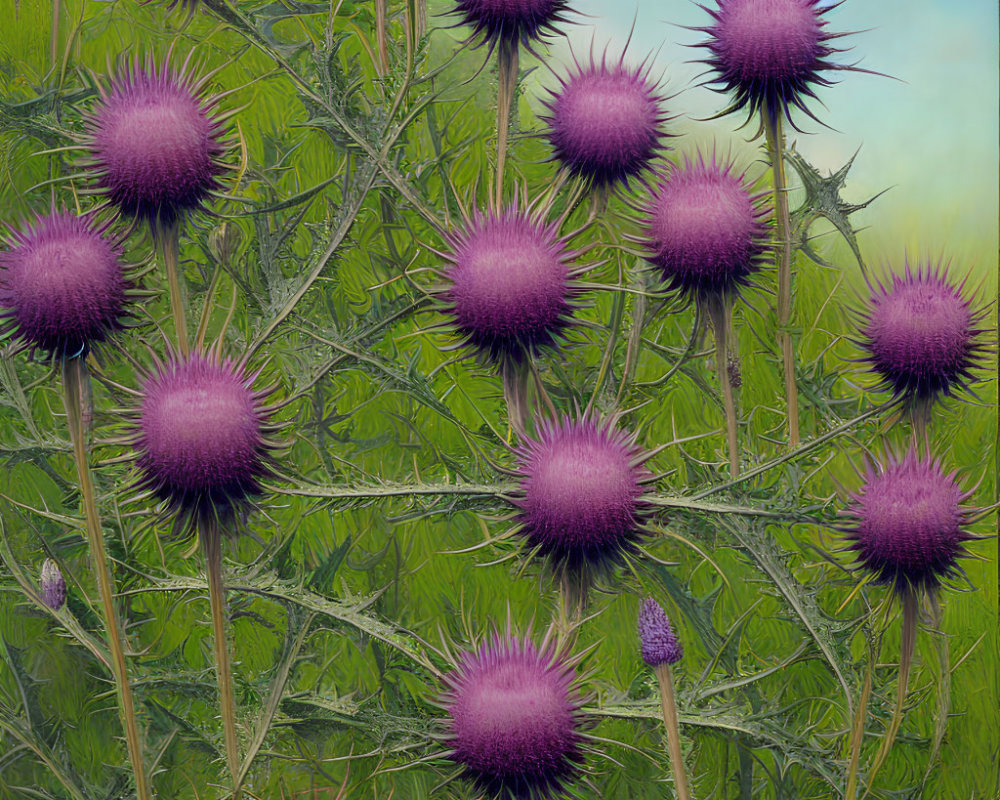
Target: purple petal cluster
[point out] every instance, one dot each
(921, 335)
(657, 639)
(769, 54)
(514, 718)
(704, 228)
(906, 522)
(526, 22)
(510, 286)
(606, 122)
(202, 438)
(53, 585)
(155, 144)
(62, 284)
(580, 500)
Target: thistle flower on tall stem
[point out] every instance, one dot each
(660, 649)
(63, 289)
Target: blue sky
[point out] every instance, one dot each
(932, 134)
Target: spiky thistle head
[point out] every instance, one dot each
(580, 495)
(906, 522)
(155, 143)
(511, 22)
(509, 284)
(659, 643)
(63, 287)
(203, 436)
(606, 122)
(921, 335)
(770, 54)
(704, 227)
(53, 585)
(514, 721)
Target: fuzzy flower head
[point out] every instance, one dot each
(921, 334)
(580, 497)
(906, 522)
(62, 283)
(704, 228)
(511, 22)
(155, 143)
(53, 585)
(770, 54)
(202, 436)
(606, 122)
(514, 721)
(657, 639)
(509, 284)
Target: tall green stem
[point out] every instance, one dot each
(381, 37)
(76, 380)
(718, 312)
(666, 682)
(211, 542)
(507, 64)
(167, 239)
(776, 150)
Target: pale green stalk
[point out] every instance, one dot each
(669, 704)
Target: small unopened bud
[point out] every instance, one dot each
(659, 644)
(53, 585)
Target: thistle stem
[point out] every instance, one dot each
(381, 38)
(666, 682)
(909, 639)
(858, 730)
(776, 149)
(507, 63)
(75, 376)
(211, 541)
(719, 311)
(167, 239)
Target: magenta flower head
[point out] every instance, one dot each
(514, 721)
(704, 228)
(906, 522)
(922, 336)
(155, 144)
(203, 436)
(580, 497)
(769, 54)
(509, 286)
(53, 585)
(62, 283)
(657, 639)
(606, 122)
(512, 22)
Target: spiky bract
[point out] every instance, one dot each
(580, 497)
(704, 227)
(526, 22)
(770, 54)
(62, 283)
(657, 639)
(155, 145)
(202, 435)
(514, 718)
(906, 522)
(922, 336)
(53, 585)
(606, 122)
(510, 285)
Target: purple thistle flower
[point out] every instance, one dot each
(906, 522)
(920, 334)
(155, 145)
(202, 435)
(606, 123)
(510, 285)
(581, 490)
(514, 718)
(525, 22)
(659, 643)
(705, 229)
(53, 585)
(769, 54)
(62, 284)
